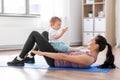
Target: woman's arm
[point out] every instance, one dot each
(79, 59)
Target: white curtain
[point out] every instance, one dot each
(51, 8)
(117, 23)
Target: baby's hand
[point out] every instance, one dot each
(65, 29)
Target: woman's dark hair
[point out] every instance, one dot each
(109, 62)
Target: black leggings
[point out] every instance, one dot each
(45, 34)
(42, 44)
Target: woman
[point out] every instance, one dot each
(73, 59)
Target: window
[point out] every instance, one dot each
(14, 6)
(34, 6)
(20, 7)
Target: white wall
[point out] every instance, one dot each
(15, 30)
(118, 23)
(75, 16)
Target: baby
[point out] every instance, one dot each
(55, 35)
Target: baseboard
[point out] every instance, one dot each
(11, 47)
(20, 46)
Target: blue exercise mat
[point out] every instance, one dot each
(41, 64)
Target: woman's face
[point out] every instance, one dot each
(92, 44)
(57, 25)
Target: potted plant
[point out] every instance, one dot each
(90, 13)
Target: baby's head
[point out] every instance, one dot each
(55, 22)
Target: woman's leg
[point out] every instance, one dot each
(42, 43)
(30, 56)
(45, 35)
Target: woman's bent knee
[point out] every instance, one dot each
(34, 32)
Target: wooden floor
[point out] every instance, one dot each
(12, 73)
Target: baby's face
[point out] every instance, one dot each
(92, 44)
(57, 25)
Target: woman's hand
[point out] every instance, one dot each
(40, 53)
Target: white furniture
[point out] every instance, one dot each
(102, 22)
